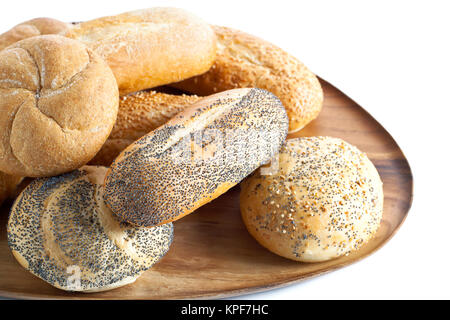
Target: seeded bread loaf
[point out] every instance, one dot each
(151, 47)
(59, 101)
(61, 231)
(32, 28)
(324, 201)
(195, 157)
(245, 61)
(140, 113)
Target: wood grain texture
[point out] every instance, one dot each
(213, 256)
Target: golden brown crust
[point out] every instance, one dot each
(32, 28)
(139, 114)
(60, 103)
(324, 201)
(195, 157)
(149, 48)
(246, 61)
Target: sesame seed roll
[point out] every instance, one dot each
(324, 201)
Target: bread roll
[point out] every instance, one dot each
(151, 47)
(59, 102)
(139, 114)
(325, 201)
(195, 157)
(246, 61)
(61, 231)
(8, 185)
(32, 28)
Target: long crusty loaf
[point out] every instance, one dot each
(196, 156)
(139, 114)
(149, 48)
(244, 61)
(32, 28)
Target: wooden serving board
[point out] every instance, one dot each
(213, 256)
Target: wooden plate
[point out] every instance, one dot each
(213, 256)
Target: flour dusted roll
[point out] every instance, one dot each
(196, 156)
(151, 47)
(59, 103)
(140, 113)
(244, 61)
(32, 28)
(324, 201)
(61, 231)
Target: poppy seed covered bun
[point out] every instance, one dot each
(324, 201)
(196, 156)
(61, 231)
(59, 102)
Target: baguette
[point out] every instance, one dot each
(150, 48)
(195, 157)
(244, 60)
(139, 114)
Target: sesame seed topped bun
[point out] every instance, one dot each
(244, 61)
(324, 201)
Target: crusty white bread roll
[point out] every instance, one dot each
(140, 113)
(8, 185)
(59, 102)
(32, 28)
(196, 156)
(324, 201)
(244, 61)
(60, 230)
(151, 47)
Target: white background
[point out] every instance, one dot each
(392, 57)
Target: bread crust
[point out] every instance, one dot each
(195, 157)
(244, 61)
(60, 103)
(324, 201)
(32, 28)
(140, 113)
(151, 47)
